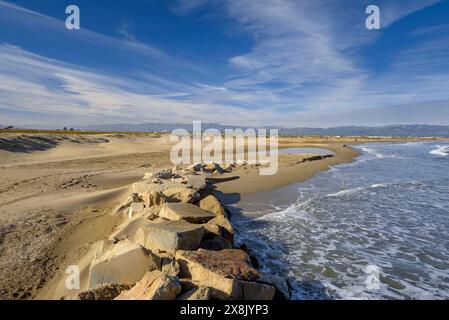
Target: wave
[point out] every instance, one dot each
(348, 192)
(377, 154)
(441, 151)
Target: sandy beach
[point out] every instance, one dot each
(58, 194)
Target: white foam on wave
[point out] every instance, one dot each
(374, 152)
(346, 192)
(324, 244)
(379, 155)
(380, 185)
(441, 151)
(293, 210)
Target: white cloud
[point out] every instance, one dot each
(304, 63)
(305, 57)
(47, 87)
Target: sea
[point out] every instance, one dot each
(377, 228)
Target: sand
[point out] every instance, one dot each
(58, 196)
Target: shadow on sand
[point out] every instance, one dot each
(27, 144)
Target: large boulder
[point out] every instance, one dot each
(198, 293)
(143, 187)
(102, 292)
(212, 230)
(195, 167)
(185, 211)
(219, 270)
(128, 229)
(125, 263)
(170, 236)
(226, 229)
(257, 291)
(135, 208)
(154, 285)
(155, 198)
(213, 168)
(148, 176)
(197, 182)
(170, 266)
(215, 243)
(183, 195)
(211, 204)
(164, 175)
(280, 283)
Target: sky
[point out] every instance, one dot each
(286, 63)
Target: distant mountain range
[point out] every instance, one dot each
(382, 131)
(409, 130)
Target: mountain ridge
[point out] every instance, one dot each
(414, 130)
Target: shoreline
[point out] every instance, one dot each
(289, 173)
(251, 182)
(256, 205)
(62, 196)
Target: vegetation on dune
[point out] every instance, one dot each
(72, 132)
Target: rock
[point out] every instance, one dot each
(170, 236)
(185, 211)
(196, 182)
(252, 255)
(280, 283)
(134, 198)
(158, 219)
(184, 195)
(154, 286)
(212, 230)
(227, 231)
(141, 187)
(164, 175)
(233, 263)
(215, 243)
(228, 167)
(213, 168)
(187, 285)
(135, 208)
(128, 229)
(219, 270)
(170, 267)
(144, 187)
(155, 198)
(148, 176)
(125, 263)
(211, 204)
(199, 293)
(257, 291)
(174, 184)
(102, 292)
(195, 167)
(152, 213)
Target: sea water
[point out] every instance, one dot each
(387, 211)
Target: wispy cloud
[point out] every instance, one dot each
(304, 62)
(48, 87)
(125, 29)
(305, 54)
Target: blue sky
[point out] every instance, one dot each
(240, 62)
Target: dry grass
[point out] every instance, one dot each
(73, 132)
